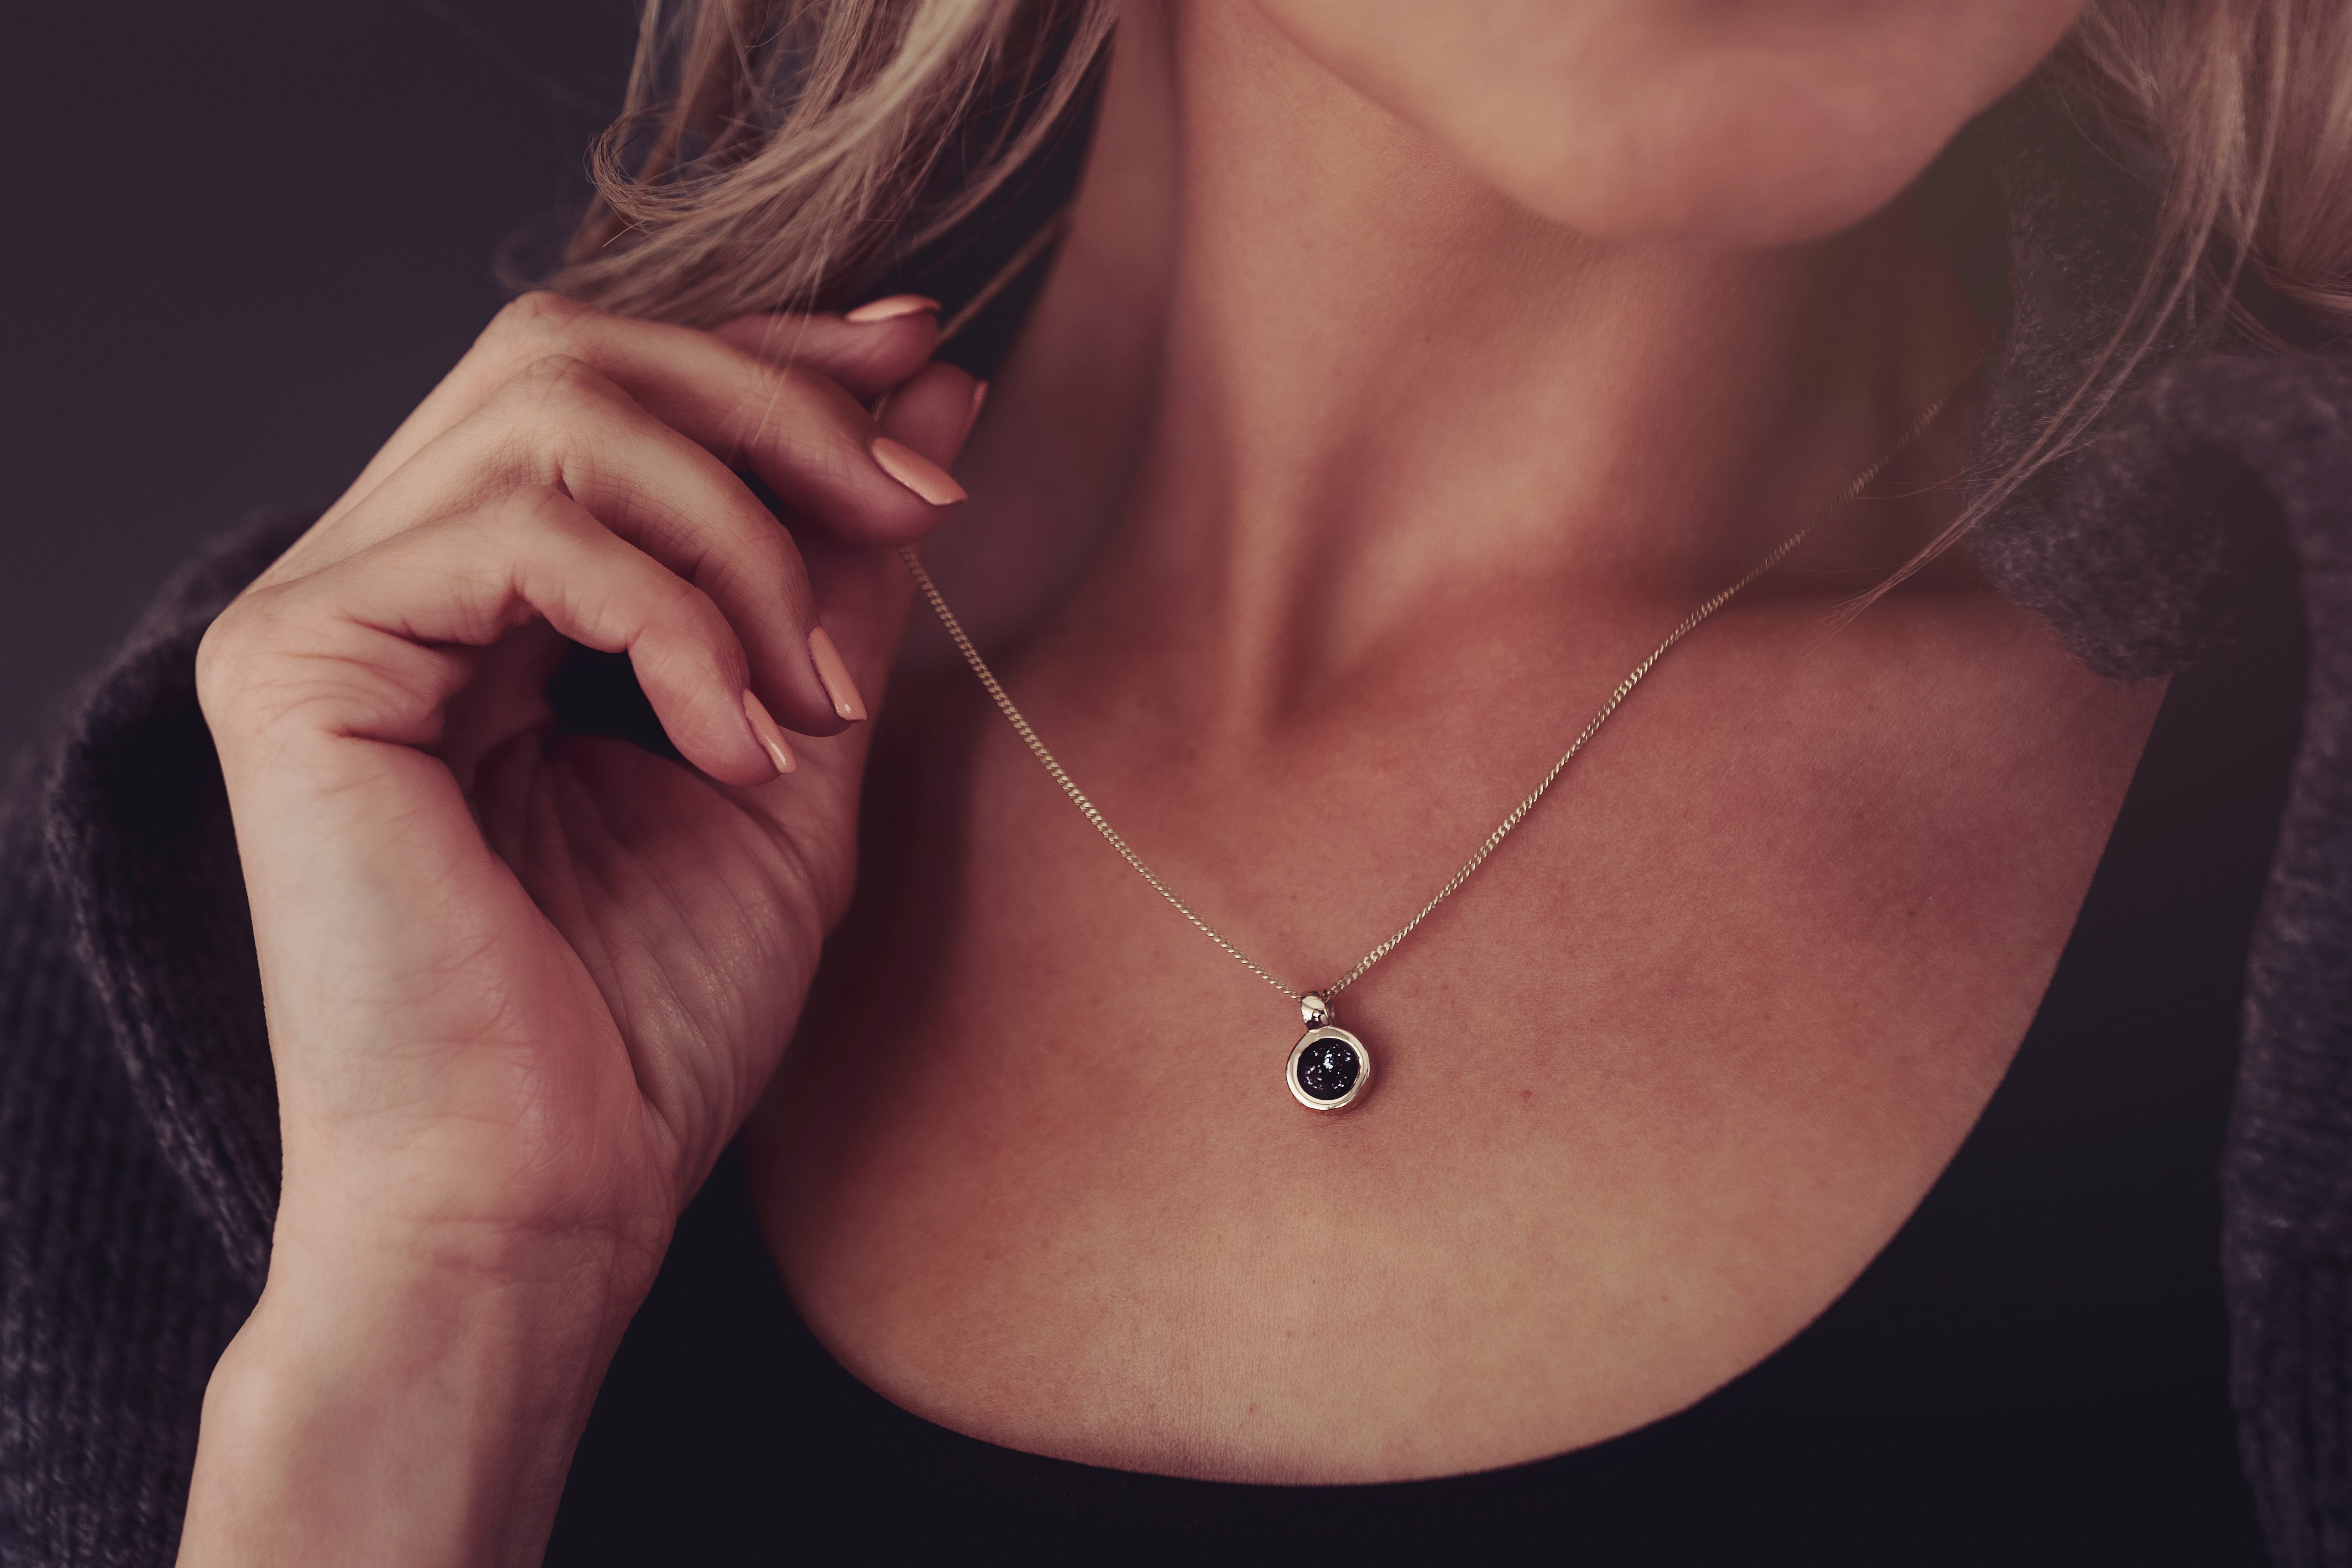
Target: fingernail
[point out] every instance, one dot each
(890, 308)
(771, 739)
(836, 676)
(916, 472)
(979, 400)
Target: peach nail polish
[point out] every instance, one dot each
(836, 676)
(916, 472)
(979, 400)
(771, 739)
(890, 308)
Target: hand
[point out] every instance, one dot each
(522, 995)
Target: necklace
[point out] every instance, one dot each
(1330, 1068)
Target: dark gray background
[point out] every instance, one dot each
(241, 242)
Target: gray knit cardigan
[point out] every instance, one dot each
(137, 1120)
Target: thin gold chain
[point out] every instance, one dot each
(1518, 813)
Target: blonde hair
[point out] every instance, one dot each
(783, 152)
(2249, 103)
(2246, 107)
(773, 153)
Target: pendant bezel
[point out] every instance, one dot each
(1355, 1090)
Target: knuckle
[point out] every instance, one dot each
(734, 666)
(683, 605)
(766, 566)
(218, 654)
(683, 612)
(574, 386)
(527, 325)
(533, 510)
(239, 641)
(699, 648)
(553, 377)
(801, 398)
(541, 402)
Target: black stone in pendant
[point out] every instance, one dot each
(1329, 1068)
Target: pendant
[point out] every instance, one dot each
(1328, 1066)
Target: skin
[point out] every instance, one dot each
(1409, 370)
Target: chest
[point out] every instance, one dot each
(1651, 1089)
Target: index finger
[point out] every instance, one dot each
(808, 437)
(867, 357)
(788, 422)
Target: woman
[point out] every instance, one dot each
(1403, 376)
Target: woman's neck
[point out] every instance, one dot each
(1324, 378)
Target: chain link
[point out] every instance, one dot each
(1518, 813)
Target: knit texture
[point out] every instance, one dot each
(138, 1116)
(138, 1127)
(2139, 547)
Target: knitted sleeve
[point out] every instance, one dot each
(2287, 1179)
(2134, 549)
(137, 1118)
(2136, 546)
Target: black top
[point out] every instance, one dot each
(2034, 1370)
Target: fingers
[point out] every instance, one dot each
(867, 357)
(562, 425)
(862, 593)
(806, 435)
(778, 396)
(622, 457)
(372, 636)
(933, 411)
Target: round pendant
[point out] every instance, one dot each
(1328, 1066)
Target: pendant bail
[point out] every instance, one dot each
(1315, 1010)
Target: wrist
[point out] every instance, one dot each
(406, 1396)
(582, 1279)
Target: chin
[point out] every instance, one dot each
(1751, 122)
(1772, 163)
